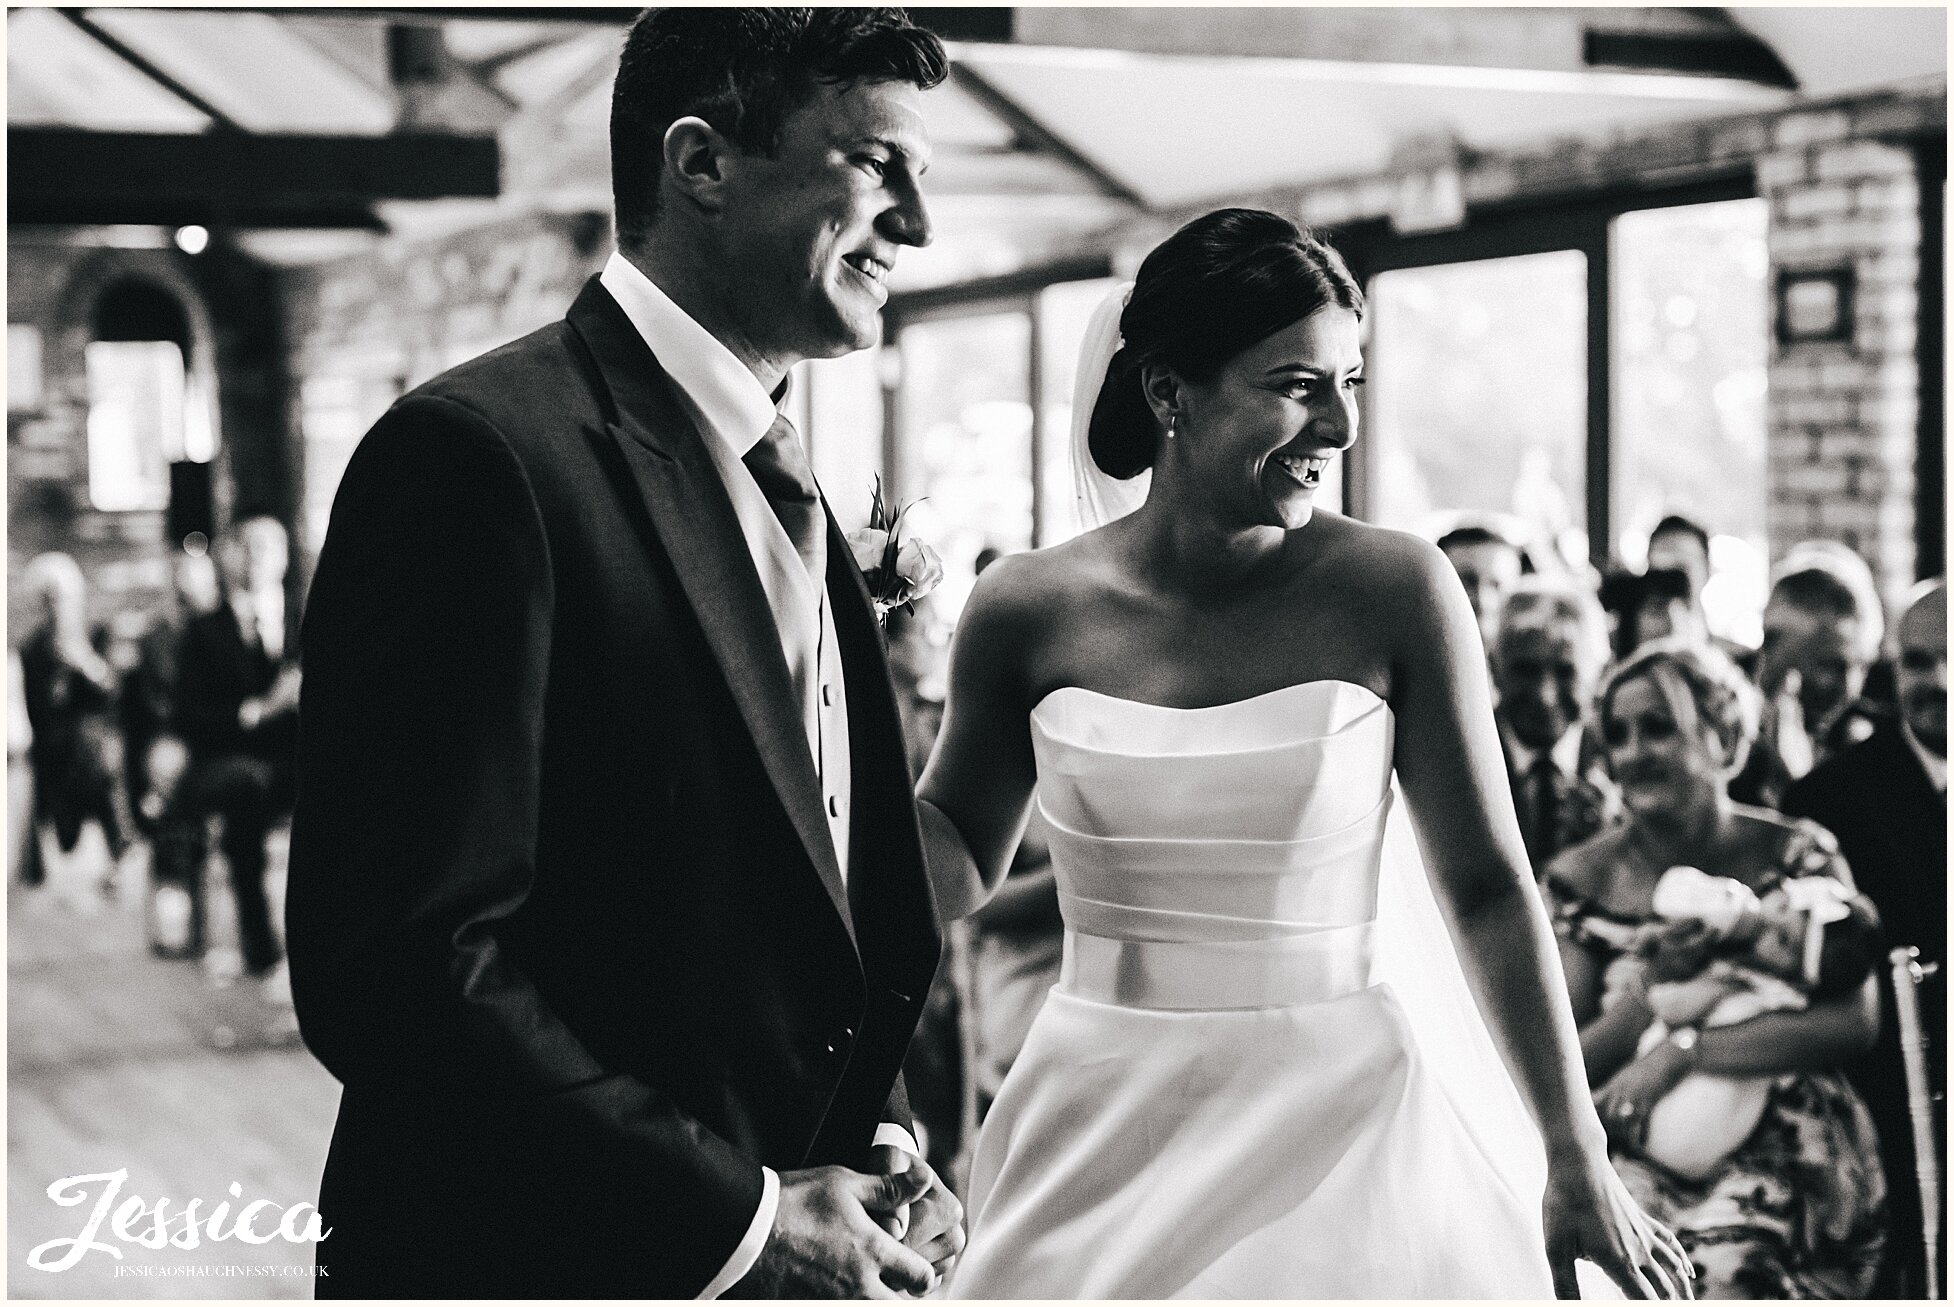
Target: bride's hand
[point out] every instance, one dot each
(1588, 1214)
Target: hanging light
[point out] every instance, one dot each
(192, 240)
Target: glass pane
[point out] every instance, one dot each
(966, 440)
(1478, 396)
(1691, 339)
(135, 422)
(843, 425)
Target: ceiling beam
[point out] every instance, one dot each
(59, 175)
(142, 64)
(1544, 39)
(1035, 136)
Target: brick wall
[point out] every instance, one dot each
(237, 353)
(1844, 414)
(364, 330)
(54, 289)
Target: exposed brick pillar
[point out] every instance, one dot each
(1843, 414)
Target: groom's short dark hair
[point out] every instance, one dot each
(744, 71)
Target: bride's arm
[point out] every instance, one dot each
(975, 794)
(1449, 762)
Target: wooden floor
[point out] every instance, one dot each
(118, 1059)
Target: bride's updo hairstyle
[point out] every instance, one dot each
(1220, 284)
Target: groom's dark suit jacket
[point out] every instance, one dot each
(565, 916)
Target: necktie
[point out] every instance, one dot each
(780, 467)
(1543, 832)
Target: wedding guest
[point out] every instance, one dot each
(1644, 607)
(1822, 629)
(1488, 563)
(1885, 798)
(1682, 544)
(158, 760)
(1796, 1210)
(1548, 654)
(20, 773)
(75, 755)
(237, 710)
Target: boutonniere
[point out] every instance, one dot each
(898, 569)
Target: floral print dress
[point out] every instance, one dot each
(1797, 1210)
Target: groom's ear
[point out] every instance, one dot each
(695, 155)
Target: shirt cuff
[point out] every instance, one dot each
(748, 1252)
(891, 1133)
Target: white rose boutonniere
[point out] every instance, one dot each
(898, 569)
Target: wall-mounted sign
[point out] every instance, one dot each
(1815, 306)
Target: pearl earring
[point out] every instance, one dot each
(1170, 427)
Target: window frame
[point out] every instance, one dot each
(1545, 226)
(1015, 292)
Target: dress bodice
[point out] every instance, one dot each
(1222, 857)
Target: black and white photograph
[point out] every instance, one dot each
(1276, 652)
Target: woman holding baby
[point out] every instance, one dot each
(1722, 969)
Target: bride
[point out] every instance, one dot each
(1261, 1073)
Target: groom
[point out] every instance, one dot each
(607, 901)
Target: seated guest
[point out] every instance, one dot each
(1488, 564)
(1548, 653)
(1722, 955)
(1885, 798)
(237, 710)
(1822, 629)
(75, 754)
(1797, 1209)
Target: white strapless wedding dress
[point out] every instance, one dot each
(1222, 1097)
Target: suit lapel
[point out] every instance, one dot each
(693, 516)
(893, 903)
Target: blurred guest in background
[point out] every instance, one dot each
(1548, 654)
(1822, 630)
(1682, 544)
(1796, 1211)
(76, 752)
(236, 709)
(1650, 606)
(20, 773)
(1488, 563)
(1885, 798)
(158, 760)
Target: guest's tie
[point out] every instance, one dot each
(1543, 799)
(780, 467)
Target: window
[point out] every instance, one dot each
(1478, 395)
(1690, 333)
(966, 416)
(146, 409)
(1541, 365)
(23, 368)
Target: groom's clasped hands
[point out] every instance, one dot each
(894, 1231)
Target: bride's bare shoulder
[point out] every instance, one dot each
(1382, 559)
(1027, 592)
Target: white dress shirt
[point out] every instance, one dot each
(1566, 753)
(733, 411)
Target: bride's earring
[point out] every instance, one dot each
(1170, 427)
